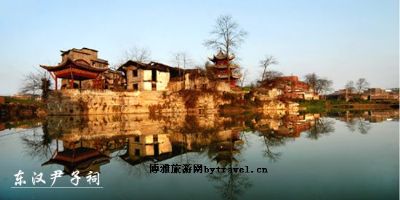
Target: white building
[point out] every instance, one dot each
(146, 77)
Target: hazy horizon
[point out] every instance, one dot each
(339, 40)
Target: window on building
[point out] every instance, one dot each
(137, 139)
(137, 152)
(135, 73)
(155, 138)
(153, 75)
(135, 87)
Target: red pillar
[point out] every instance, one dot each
(71, 82)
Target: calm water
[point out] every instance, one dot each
(340, 156)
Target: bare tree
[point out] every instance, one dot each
(321, 126)
(311, 79)
(243, 77)
(182, 60)
(350, 87)
(323, 85)
(363, 126)
(135, 54)
(267, 61)
(138, 54)
(270, 75)
(319, 85)
(227, 36)
(361, 85)
(32, 82)
(272, 140)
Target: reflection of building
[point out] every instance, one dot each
(226, 150)
(85, 155)
(383, 115)
(158, 139)
(82, 158)
(2, 126)
(371, 116)
(141, 148)
(287, 125)
(159, 147)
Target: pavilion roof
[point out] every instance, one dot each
(75, 69)
(80, 158)
(80, 64)
(100, 61)
(221, 56)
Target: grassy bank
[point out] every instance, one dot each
(23, 101)
(18, 108)
(321, 106)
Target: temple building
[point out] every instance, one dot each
(80, 68)
(224, 69)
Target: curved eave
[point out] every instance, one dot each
(82, 165)
(215, 59)
(72, 64)
(223, 66)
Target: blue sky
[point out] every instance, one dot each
(338, 39)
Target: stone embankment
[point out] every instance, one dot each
(88, 102)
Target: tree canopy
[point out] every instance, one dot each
(267, 61)
(226, 35)
(319, 85)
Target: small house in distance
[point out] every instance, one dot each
(380, 94)
(373, 94)
(292, 88)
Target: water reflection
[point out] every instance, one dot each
(37, 145)
(156, 139)
(88, 143)
(360, 121)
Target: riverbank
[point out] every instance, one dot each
(319, 106)
(89, 102)
(162, 102)
(14, 108)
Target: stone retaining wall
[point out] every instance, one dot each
(88, 102)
